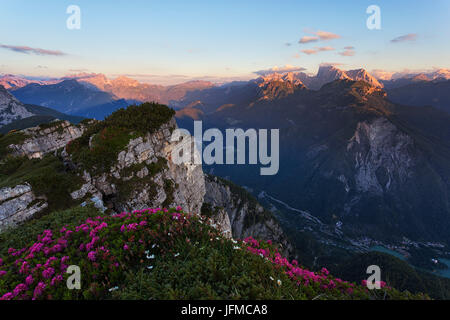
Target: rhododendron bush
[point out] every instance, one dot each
(160, 254)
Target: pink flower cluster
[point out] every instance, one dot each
(52, 270)
(53, 252)
(296, 273)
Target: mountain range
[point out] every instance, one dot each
(423, 93)
(99, 96)
(356, 152)
(402, 79)
(121, 87)
(375, 169)
(16, 115)
(125, 88)
(363, 162)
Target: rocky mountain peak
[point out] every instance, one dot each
(125, 81)
(278, 85)
(363, 75)
(10, 81)
(330, 73)
(11, 109)
(97, 80)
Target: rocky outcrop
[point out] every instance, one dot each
(46, 138)
(382, 156)
(145, 176)
(18, 204)
(10, 108)
(244, 215)
(275, 86)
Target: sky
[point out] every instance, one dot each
(168, 42)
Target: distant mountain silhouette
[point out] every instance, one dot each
(423, 93)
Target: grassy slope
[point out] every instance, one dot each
(48, 178)
(157, 255)
(397, 272)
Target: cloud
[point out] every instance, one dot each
(406, 37)
(326, 49)
(347, 53)
(309, 51)
(37, 51)
(317, 50)
(307, 39)
(318, 36)
(324, 35)
(288, 44)
(349, 48)
(286, 68)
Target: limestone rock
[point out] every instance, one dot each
(186, 180)
(246, 217)
(18, 204)
(41, 141)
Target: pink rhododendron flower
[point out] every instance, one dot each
(92, 255)
(325, 271)
(39, 289)
(20, 288)
(56, 280)
(48, 273)
(7, 296)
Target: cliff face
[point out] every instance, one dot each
(143, 176)
(382, 156)
(233, 207)
(140, 175)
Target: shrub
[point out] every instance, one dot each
(21, 236)
(156, 253)
(110, 136)
(48, 178)
(8, 139)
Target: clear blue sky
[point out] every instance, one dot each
(173, 41)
